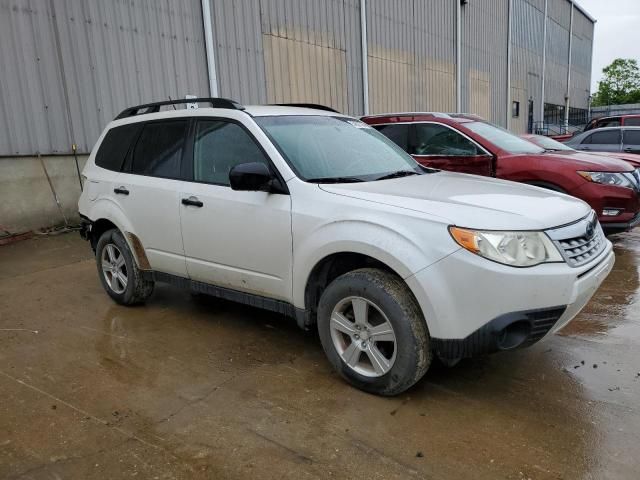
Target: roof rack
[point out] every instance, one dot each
(155, 106)
(315, 106)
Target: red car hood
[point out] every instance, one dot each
(591, 161)
(631, 158)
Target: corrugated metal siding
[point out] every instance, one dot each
(238, 50)
(122, 52)
(312, 52)
(526, 67)
(484, 58)
(557, 56)
(114, 54)
(33, 114)
(411, 45)
(581, 60)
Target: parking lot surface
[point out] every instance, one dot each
(188, 387)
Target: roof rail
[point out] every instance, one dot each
(155, 106)
(315, 106)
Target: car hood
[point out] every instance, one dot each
(594, 162)
(630, 158)
(471, 201)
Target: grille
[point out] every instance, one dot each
(580, 242)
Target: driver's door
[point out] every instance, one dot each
(235, 239)
(440, 146)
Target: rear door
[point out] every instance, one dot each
(631, 141)
(148, 189)
(440, 146)
(601, 141)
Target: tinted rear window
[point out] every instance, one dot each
(159, 149)
(115, 146)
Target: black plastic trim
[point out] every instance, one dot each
(300, 315)
(315, 106)
(487, 339)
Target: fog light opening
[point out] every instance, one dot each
(611, 212)
(513, 335)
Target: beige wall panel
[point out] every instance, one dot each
(480, 93)
(302, 72)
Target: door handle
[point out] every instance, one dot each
(629, 150)
(192, 201)
(121, 191)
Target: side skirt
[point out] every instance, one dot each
(284, 308)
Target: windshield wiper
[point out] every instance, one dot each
(334, 180)
(398, 174)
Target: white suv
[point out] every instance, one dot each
(315, 215)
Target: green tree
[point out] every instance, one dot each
(620, 83)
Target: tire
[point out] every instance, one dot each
(388, 301)
(120, 265)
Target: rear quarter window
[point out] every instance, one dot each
(115, 145)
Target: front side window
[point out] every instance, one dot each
(115, 145)
(218, 147)
(632, 122)
(324, 148)
(503, 139)
(159, 149)
(435, 139)
(607, 137)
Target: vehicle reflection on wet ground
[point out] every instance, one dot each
(200, 388)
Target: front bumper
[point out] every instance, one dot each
(613, 227)
(474, 306)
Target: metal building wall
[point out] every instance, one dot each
(526, 65)
(484, 59)
(411, 55)
(581, 56)
(557, 56)
(74, 64)
(278, 51)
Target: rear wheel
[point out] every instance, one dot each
(119, 274)
(373, 331)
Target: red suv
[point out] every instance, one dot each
(468, 144)
(614, 121)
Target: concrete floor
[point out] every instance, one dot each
(200, 388)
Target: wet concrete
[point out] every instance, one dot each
(200, 388)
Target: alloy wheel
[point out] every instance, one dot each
(363, 336)
(114, 268)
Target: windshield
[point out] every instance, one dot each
(550, 144)
(503, 139)
(321, 148)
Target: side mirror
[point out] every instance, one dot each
(251, 177)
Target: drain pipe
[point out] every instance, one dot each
(544, 61)
(208, 44)
(568, 95)
(365, 59)
(459, 56)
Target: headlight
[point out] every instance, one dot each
(518, 249)
(607, 178)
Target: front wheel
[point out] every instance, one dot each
(373, 331)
